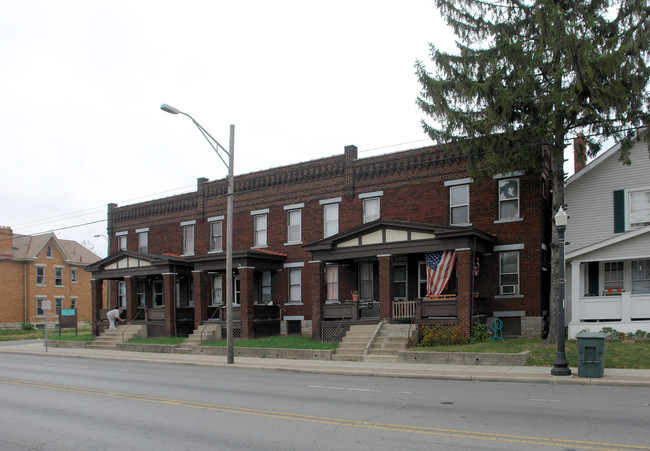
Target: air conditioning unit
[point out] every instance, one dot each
(508, 289)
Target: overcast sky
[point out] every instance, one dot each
(81, 84)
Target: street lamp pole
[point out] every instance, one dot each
(231, 190)
(561, 366)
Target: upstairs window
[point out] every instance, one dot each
(143, 242)
(459, 204)
(370, 209)
(294, 226)
(121, 241)
(58, 277)
(48, 251)
(216, 236)
(259, 230)
(188, 237)
(639, 208)
(40, 275)
(509, 198)
(73, 275)
(330, 219)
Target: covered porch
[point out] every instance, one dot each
(385, 262)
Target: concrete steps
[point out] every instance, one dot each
(390, 339)
(354, 343)
(205, 332)
(110, 338)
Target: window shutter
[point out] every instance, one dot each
(619, 211)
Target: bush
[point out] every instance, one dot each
(480, 333)
(612, 334)
(27, 326)
(640, 335)
(441, 335)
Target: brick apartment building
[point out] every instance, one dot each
(306, 235)
(38, 268)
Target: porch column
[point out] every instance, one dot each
(96, 295)
(318, 294)
(464, 271)
(385, 286)
(201, 289)
(246, 300)
(169, 298)
(574, 308)
(131, 297)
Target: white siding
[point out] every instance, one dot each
(589, 198)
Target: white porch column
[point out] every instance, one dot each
(626, 307)
(576, 277)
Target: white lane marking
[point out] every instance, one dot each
(325, 387)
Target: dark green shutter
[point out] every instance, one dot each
(619, 211)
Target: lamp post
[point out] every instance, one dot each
(561, 366)
(108, 284)
(231, 188)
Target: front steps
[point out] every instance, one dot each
(373, 343)
(205, 332)
(110, 338)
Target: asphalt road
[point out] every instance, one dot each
(56, 403)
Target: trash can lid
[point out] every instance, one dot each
(602, 335)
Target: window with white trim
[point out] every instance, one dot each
(158, 296)
(332, 276)
(216, 236)
(294, 226)
(188, 239)
(217, 290)
(48, 251)
(143, 242)
(295, 285)
(73, 275)
(121, 242)
(614, 275)
(371, 209)
(459, 204)
(40, 275)
(509, 198)
(640, 276)
(73, 303)
(260, 230)
(399, 281)
(121, 294)
(366, 280)
(58, 276)
(39, 307)
(639, 210)
(509, 273)
(265, 294)
(142, 293)
(330, 219)
(58, 305)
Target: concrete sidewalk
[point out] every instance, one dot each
(485, 373)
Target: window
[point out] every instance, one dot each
(121, 240)
(143, 242)
(509, 198)
(330, 219)
(121, 294)
(40, 275)
(422, 279)
(58, 277)
(365, 281)
(58, 305)
(217, 290)
(640, 276)
(614, 277)
(216, 236)
(158, 298)
(142, 293)
(266, 287)
(188, 239)
(399, 281)
(370, 209)
(259, 230)
(639, 213)
(509, 273)
(332, 276)
(295, 287)
(236, 288)
(459, 204)
(73, 303)
(294, 226)
(39, 307)
(73, 275)
(48, 251)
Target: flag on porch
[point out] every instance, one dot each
(440, 265)
(477, 267)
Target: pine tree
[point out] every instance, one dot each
(534, 73)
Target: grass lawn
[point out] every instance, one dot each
(66, 334)
(618, 354)
(159, 340)
(283, 342)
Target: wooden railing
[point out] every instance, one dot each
(405, 309)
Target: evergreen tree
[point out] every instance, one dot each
(534, 73)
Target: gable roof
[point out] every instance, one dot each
(27, 247)
(608, 242)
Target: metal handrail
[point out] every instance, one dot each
(341, 321)
(128, 324)
(207, 322)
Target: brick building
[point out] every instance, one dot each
(306, 235)
(38, 268)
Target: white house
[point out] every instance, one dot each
(608, 243)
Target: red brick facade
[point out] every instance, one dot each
(412, 188)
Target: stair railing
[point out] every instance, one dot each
(336, 331)
(206, 323)
(128, 324)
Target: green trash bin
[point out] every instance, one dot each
(591, 354)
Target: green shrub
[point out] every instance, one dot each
(480, 333)
(612, 334)
(438, 335)
(27, 326)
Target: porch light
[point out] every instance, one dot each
(231, 189)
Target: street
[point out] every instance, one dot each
(59, 403)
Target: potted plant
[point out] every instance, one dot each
(355, 295)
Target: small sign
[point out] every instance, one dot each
(46, 305)
(68, 312)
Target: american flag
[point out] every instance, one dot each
(439, 268)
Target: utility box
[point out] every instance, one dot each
(591, 354)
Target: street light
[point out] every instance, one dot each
(561, 366)
(231, 188)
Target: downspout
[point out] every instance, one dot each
(25, 289)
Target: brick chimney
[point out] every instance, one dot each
(6, 241)
(579, 152)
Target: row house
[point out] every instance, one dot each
(38, 268)
(309, 235)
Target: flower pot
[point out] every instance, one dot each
(355, 297)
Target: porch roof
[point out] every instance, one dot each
(257, 258)
(385, 236)
(618, 240)
(128, 263)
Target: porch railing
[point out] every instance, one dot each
(404, 309)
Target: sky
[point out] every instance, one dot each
(81, 84)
